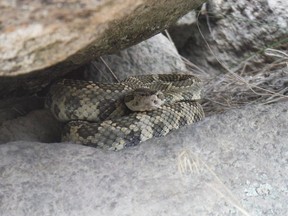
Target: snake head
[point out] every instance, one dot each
(144, 99)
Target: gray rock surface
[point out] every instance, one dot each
(38, 125)
(183, 29)
(155, 55)
(237, 33)
(238, 167)
(42, 40)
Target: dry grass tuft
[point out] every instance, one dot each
(268, 84)
(191, 164)
(244, 84)
(188, 163)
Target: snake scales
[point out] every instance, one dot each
(97, 114)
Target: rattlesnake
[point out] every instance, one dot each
(119, 115)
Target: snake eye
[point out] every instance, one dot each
(155, 102)
(160, 95)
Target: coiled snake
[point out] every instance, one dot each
(119, 115)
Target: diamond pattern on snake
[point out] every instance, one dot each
(118, 115)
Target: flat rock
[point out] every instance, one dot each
(227, 164)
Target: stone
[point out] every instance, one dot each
(229, 164)
(48, 39)
(155, 55)
(183, 29)
(37, 125)
(237, 33)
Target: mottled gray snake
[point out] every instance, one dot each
(119, 115)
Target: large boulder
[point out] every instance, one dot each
(41, 40)
(229, 164)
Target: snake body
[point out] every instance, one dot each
(119, 115)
